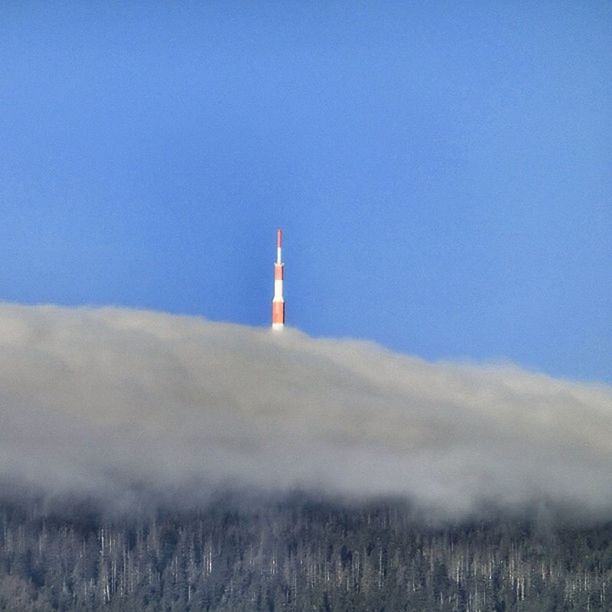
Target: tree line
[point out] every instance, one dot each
(298, 555)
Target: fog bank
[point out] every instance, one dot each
(136, 407)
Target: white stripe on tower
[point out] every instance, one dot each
(278, 303)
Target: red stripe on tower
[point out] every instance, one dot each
(278, 303)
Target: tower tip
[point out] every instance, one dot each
(278, 303)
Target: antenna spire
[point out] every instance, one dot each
(278, 303)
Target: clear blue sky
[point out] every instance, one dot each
(442, 170)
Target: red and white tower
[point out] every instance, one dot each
(278, 303)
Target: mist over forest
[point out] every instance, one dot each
(133, 408)
(151, 461)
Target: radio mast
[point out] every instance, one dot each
(278, 303)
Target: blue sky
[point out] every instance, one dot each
(442, 170)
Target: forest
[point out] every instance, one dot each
(299, 554)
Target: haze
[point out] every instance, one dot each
(133, 407)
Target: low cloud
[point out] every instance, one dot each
(133, 407)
